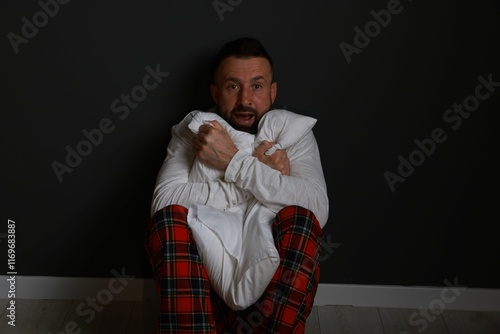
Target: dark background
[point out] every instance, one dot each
(439, 224)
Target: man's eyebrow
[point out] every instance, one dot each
(257, 78)
(232, 79)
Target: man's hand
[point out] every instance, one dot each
(213, 145)
(278, 160)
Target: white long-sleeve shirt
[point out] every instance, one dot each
(245, 177)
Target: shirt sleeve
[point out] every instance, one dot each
(305, 186)
(172, 184)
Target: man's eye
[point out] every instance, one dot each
(258, 86)
(232, 87)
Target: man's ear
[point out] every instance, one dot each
(213, 93)
(274, 91)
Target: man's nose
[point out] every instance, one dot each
(246, 96)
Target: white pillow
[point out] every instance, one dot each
(240, 258)
(283, 127)
(237, 246)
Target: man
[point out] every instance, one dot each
(243, 90)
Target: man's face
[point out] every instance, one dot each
(243, 91)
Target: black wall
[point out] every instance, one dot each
(438, 224)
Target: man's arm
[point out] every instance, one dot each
(173, 187)
(268, 181)
(305, 186)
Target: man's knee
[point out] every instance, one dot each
(173, 208)
(171, 214)
(297, 216)
(167, 223)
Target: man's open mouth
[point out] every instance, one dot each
(243, 118)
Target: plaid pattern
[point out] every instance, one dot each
(180, 278)
(189, 305)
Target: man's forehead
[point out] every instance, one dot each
(250, 68)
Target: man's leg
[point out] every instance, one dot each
(180, 277)
(288, 299)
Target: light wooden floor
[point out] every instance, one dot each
(122, 317)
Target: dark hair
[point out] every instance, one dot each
(245, 47)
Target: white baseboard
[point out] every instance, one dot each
(129, 288)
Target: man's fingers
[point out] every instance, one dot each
(210, 126)
(215, 124)
(262, 148)
(204, 128)
(278, 160)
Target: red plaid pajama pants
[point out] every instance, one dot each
(189, 305)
